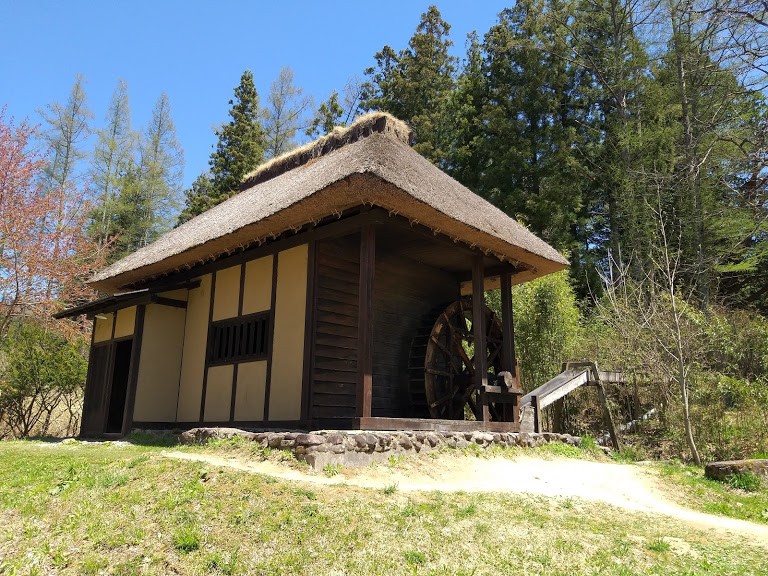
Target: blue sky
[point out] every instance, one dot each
(196, 52)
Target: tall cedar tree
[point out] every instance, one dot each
(415, 85)
(531, 124)
(240, 149)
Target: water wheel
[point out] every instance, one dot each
(442, 363)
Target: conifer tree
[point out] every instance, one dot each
(160, 172)
(66, 128)
(415, 85)
(531, 123)
(284, 114)
(240, 148)
(113, 152)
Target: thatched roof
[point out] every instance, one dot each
(369, 163)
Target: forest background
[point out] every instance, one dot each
(631, 135)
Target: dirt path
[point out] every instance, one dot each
(631, 487)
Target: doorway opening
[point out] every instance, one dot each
(120, 373)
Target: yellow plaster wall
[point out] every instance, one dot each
(193, 358)
(227, 293)
(258, 285)
(126, 322)
(251, 387)
(288, 342)
(180, 294)
(157, 389)
(102, 328)
(218, 393)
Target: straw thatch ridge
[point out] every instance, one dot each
(377, 170)
(380, 122)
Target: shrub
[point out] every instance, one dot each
(41, 371)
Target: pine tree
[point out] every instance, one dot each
(329, 115)
(337, 112)
(240, 148)
(68, 126)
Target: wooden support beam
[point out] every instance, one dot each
(133, 370)
(508, 359)
(479, 331)
(608, 415)
(536, 413)
(500, 270)
(172, 302)
(365, 321)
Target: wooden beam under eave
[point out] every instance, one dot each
(365, 321)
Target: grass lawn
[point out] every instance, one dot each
(105, 509)
(687, 486)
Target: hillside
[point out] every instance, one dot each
(130, 509)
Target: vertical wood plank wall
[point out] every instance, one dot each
(404, 294)
(334, 370)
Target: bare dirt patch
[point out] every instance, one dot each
(630, 487)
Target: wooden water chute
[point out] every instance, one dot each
(572, 376)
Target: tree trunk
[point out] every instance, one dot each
(683, 381)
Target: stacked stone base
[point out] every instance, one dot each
(361, 448)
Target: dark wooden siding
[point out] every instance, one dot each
(97, 390)
(335, 333)
(404, 293)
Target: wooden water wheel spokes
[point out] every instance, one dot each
(449, 362)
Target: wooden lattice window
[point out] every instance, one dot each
(239, 339)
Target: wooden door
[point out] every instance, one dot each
(97, 386)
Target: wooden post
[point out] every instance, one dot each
(133, 371)
(509, 361)
(606, 409)
(479, 331)
(536, 413)
(365, 321)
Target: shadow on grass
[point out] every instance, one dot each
(156, 439)
(163, 439)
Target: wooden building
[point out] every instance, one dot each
(342, 287)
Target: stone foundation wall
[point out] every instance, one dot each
(360, 448)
